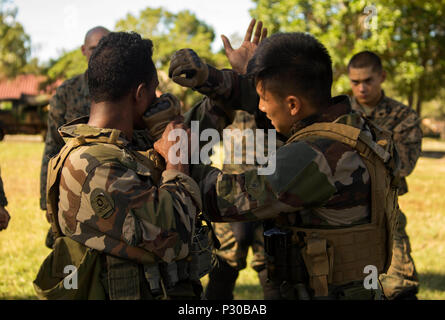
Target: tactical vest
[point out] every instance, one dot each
(339, 256)
(125, 279)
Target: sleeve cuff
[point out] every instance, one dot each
(189, 184)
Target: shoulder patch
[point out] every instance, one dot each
(102, 203)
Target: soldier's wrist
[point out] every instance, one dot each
(212, 83)
(183, 168)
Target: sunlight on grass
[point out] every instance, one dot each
(22, 248)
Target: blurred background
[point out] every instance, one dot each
(40, 48)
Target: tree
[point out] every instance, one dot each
(15, 45)
(408, 36)
(68, 65)
(169, 33)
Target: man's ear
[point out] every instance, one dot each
(294, 105)
(141, 90)
(83, 48)
(383, 75)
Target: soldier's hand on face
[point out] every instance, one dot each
(163, 145)
(187, 69)
(4, 218)
(160, 113)
(239, 58)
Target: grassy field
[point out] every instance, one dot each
(22, 248)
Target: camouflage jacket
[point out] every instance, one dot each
(404, 123)
(3, 200)
(316, 182)
(70, 101)
(109, 200)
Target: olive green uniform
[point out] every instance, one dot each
(401, 279)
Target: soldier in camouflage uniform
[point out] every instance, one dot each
(321, 184)
(70, 101)
(4, 215)
(366, 76)
(108, 197)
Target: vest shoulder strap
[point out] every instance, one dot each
(56, 164)
(351, 136)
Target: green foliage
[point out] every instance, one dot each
(70, 64)
(169, 33)
(14, 42)
(408, 35)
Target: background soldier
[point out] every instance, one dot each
(106, 196)
(323, 186)
(4, 215)
(366, 76)
(70, 101)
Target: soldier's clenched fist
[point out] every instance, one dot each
(187, 69)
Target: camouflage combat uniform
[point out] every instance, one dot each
(71, 101)
(401, 279)
(319, 182)
(3, 200)
(111, 202)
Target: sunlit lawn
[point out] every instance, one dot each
(22, 248)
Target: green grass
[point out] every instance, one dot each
(22, 248)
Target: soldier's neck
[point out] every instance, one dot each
(372, 104)
(112, 115)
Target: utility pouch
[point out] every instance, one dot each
(53, 282)
(318, 258)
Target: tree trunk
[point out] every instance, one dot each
(411, 98)
(419, 102)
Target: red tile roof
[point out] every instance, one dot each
(22, 84)
(29, 84)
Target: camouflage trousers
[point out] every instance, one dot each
(236, 239)
(401, 278)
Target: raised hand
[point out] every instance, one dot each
(239, 58)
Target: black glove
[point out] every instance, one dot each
(160, 113)
(187, 69)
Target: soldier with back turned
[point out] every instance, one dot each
(70, 101)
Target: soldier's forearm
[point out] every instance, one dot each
(230, 89)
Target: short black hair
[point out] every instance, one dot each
(120, 63)
(366, 59)
(294, 62)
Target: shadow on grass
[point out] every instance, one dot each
(248, 292)
(432, 281)
(433, 154)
